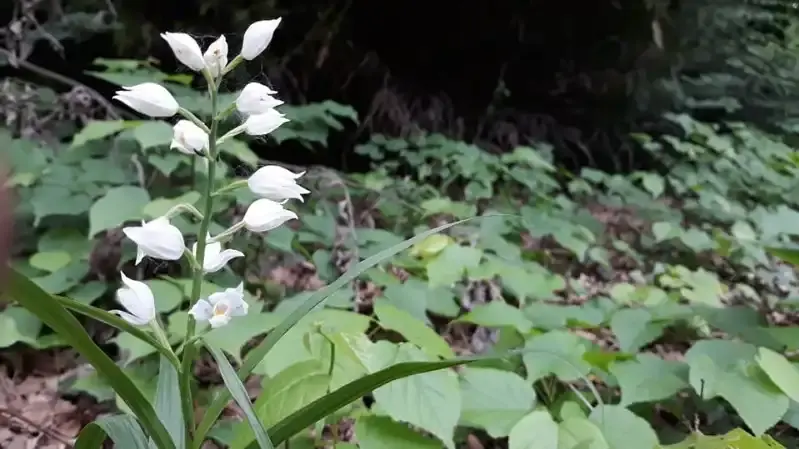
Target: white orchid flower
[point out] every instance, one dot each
(276, 183)
(220, 307)
(189, 138)
(215, 257)
(264, 215)
(257, 38)
(138, 301)
(264, 123)
(149, 99)
(216, 56)
(158, 239)
(186, 50)
(256, 98)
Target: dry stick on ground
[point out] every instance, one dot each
(55, 435)
(111, 110)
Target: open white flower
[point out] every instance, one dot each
(216, 56)
(158, 239)
(149, 99)
(138, 301)
(215, 257)
(189, 138)
(256, 98)
(264, 123)
(264, 215)
(257, 38)
(186, 50)
(276, 183)
(220, 307)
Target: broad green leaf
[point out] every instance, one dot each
(256, 355)
(239, 394)
(648, 379)
(289, 391)
(380, 432)
(450, 265)
(498, 314)
(782, 372)
(50, 311)
(713, 373)
(580, 433)
(494, 400)
(123, 430)
(431, 401)
(556, 352)
(292, 348)
(154, 133)
(50, 261)
(635, 328)
(18, 325)
(119, 205)
(537, 430)
(98, 129)
(241, 151)
(623, 429)
(131, 348)
(413, 330)
(168, 403)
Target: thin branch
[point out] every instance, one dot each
(57, 436)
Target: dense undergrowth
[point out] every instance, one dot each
(655, 308)
(646, 309)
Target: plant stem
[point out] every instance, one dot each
(190, 351)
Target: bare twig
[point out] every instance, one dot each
(55, 435)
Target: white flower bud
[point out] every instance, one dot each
(264, 215)
(264, 123)
(149, 99)
(276, 183)
(186, 50)
(256, 98)
(216, 56)
(257, 38)
(220, 307)
(215, 258)
(138, 301)
(189, 138)
(158, 239)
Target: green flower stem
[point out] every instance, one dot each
(233, 186)
(224, 114)
(227, 233)
(190, 351)
(232, 65)
(180, 208)
(193, 118)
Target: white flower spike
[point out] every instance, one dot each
(149, 99)
(264, 215)
(216, 56)
(158, 239)
(220, 307)
(215, 257)
(256, 98)
(186, 50)
(276, 183)
(264, 123)
(257, 38)
(189, 138)
(138, 301)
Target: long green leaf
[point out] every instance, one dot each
(123, 430)
(167, 403)
(50, 311)
(239, 393)
(259, 352)
(118, 323)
